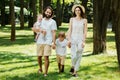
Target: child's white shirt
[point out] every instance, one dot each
(37, 25)
(61, 47)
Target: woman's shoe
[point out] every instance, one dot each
(71, 70)
(75, 75)
(45, 75)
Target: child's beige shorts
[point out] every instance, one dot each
(43, 50)
(60, 59)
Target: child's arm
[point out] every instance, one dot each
(34, 29)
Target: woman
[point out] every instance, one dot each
(76, 36)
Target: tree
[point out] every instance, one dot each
(41, 6)
(101, 12)
(58, 13)
(34, 9)
(21, 14)
(30, 17)
(46, 3)
(12, 15)
(84, 3)
(63, 6)
(116, 24)
(2, 12)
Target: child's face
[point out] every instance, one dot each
(61, 38)
(39, 18)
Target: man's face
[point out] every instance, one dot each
(48, 13)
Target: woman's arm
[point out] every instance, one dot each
(70, 30)
(85, 30)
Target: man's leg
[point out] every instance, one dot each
(40, 63)
(39, 54)
(47, 53)
(46, 58)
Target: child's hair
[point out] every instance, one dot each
(61, 34)
(39, 14)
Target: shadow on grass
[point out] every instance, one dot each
(20, 40)
(36, 76)
(8, 57)
(7, 29)
(110, 39)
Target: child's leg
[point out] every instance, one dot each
(36, 37)
(58, 61)
(62, 63)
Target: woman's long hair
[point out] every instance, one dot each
(82, 14)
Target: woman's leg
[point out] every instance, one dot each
(73, 56)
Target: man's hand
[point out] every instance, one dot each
(53, 46)
(69, 44)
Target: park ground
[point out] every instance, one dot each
(18, 59)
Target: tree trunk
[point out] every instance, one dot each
(114, 2)
(40, 6)
(84, 3)
(22, 14)
(58, 14)
(101, 18)
(34, 13)
(117, 28)
(30, 17)
(46, 3)
(12, 13)
(96, 26)
(63, 5)
(2, 12)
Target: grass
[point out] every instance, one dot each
(18, 59)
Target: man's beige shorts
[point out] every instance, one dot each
(60, 59)
(43, 50)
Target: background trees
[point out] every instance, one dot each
(12, 15)
(99, 12)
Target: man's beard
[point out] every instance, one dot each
(49, 16)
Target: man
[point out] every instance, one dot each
(48, 30)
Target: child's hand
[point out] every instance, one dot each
(53, 46)
(69, 44)
(43, 32)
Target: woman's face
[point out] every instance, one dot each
(77, 11)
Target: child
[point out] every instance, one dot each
(61, 44)
(36, 26)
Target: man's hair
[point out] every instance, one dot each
(48, 7)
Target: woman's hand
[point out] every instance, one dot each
(83, 44)
(69, 44)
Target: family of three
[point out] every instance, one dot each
(46, 27)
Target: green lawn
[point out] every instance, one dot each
(18, 59)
